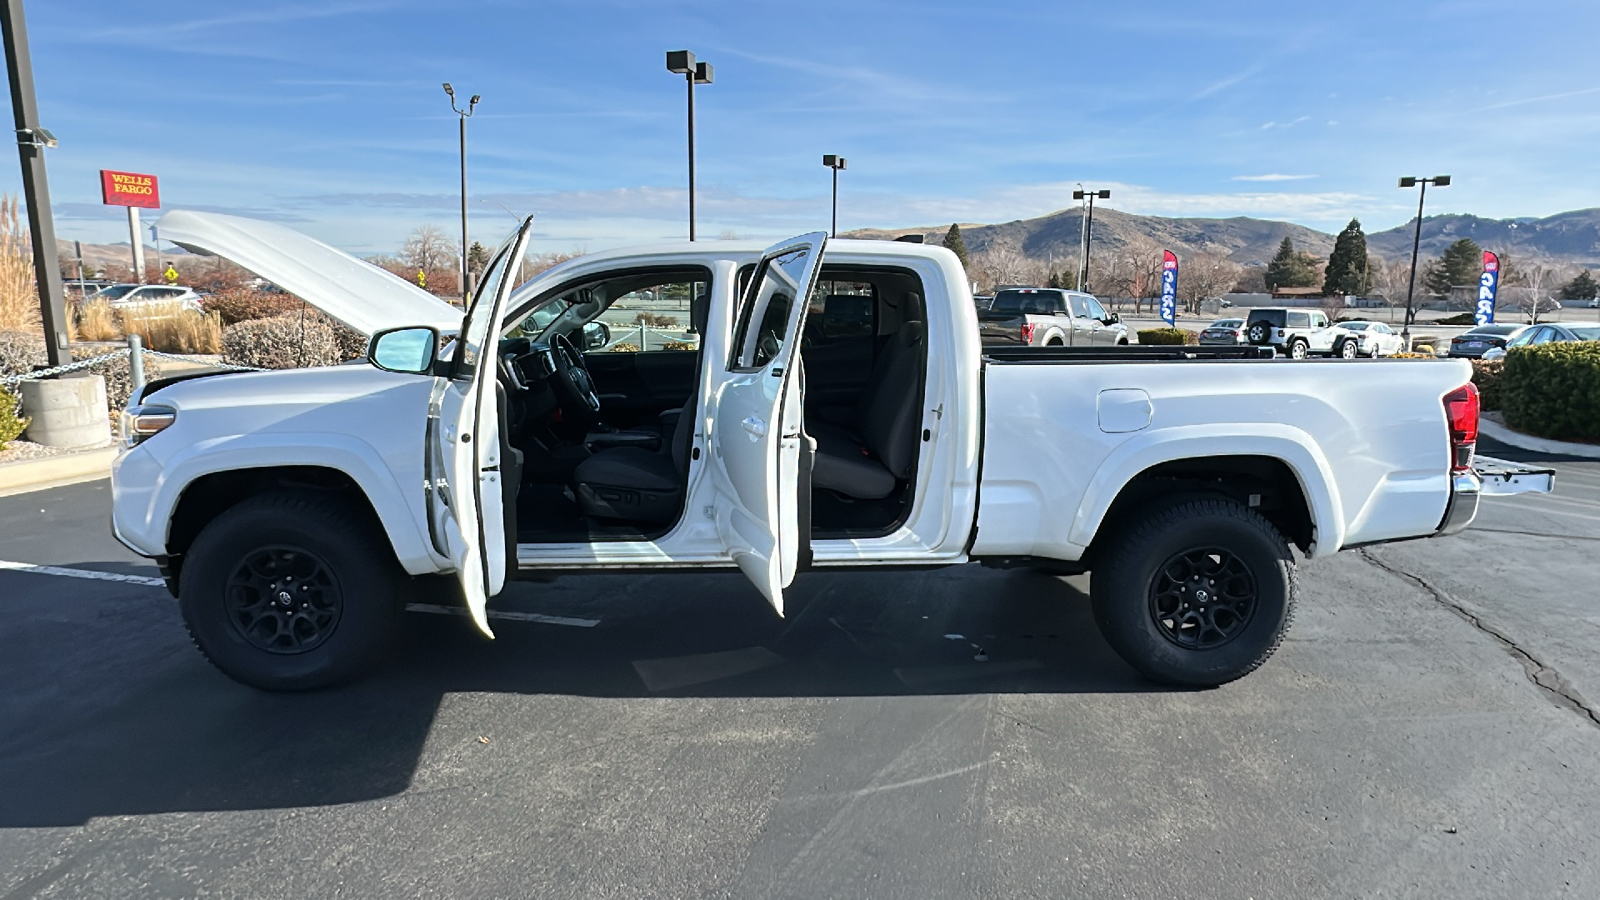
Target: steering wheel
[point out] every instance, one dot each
(572, 382)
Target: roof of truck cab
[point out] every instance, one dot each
(727, 249)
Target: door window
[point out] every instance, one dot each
(1080, 309)
(1543, 336)
(764, 320)
(1096, 311)
(469, 349)
(1299, 320)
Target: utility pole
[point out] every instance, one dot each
(1416, 243)
(463, 115)
(682, 62)
(1088, 231)
(31, 143)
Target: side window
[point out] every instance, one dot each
(1096, 311)
(1319, 320)
(1543, 336)
(656, 317)
(764, 321)
(1299, 320)
(1080, 309)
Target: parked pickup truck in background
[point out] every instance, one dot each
(1050, 317)
(294, 512)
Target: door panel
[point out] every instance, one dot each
(637, 387)
(755, 439)
(470, 508)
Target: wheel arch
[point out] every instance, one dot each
(1285, 473)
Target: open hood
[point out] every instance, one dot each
(354, 293)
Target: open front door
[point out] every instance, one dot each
(756, 432)
(468, 494)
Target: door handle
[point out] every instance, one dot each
(755, 426)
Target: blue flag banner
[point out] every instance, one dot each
(1488, 286)
(1169, 288)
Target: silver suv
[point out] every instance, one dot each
(1294, 332)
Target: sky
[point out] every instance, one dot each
(329, 116)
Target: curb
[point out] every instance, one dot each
(51, 471)
(1495, 429)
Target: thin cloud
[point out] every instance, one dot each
(1272, 177)
(1526, 100)
(1230, 81)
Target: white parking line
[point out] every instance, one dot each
(146, 581)
(9, 566)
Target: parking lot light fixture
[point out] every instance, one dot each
(1088, 232)
(1411, 181)
(836, 163)
(682, 62)
(463, 115)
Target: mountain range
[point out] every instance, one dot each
(1572, 237)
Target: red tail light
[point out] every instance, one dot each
(1027, 332)
(1461, 412)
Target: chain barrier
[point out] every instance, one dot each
(215, 364)
(79, 365)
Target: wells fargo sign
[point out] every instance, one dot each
(129, 189)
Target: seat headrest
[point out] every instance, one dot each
(911, 308)
(911, 333)
(699, 311)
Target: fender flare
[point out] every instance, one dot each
(1289, 445)
(347, 454)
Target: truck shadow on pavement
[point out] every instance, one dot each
(157, 730)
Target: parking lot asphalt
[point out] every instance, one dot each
(1428, 729)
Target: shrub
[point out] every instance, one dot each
(1487, 375)
(11, 421)
(352, 344)
(98, 322)
(20, 352)
(655, 320)
(1168, 336)
(243, 305)
(19, 302)
(1412, 356)
(171, 328)
(1465, 318)
(118, 375)
(624, 347)
(283, 342)
(1553, 390)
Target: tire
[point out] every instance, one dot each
(1259, 332)
(1348, 349)
(262, 545)
(1132, 586)
(1055, 342)
(1298, 349)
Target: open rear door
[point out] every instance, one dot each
(469, 510)
(755, 438)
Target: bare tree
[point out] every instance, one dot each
(1531, 293)
(1132, 270)
(428, 248)
(1203, 276)
(1005, 263)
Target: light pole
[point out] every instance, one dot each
(1088, 231)
(1416, 243)
(836, 163)
(463, 115)
(682, 62)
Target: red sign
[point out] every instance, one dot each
(129, 189)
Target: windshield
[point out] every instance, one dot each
(115, 292)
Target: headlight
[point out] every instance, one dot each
(144, 420)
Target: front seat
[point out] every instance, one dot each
(640, 485)
(869, 458)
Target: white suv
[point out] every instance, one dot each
(1294, 332)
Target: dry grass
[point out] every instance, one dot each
(19, 302)
(97, 321)
(171, 328)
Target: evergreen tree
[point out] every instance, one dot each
(1055, 280)
(1584, 287)
(1347, 266)
(955, 244)
(1290, 268)
(477, 258)
(1460, 264)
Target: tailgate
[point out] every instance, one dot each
(1501, 477)
(1000, 329)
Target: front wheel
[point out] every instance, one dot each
(290, 591)
(1349, 349)
(1298, 349)
(1198, 593)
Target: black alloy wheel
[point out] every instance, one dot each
(1201, 599)
(283, 599)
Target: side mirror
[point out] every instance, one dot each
(1115, 319)
(409, 351)
(596, 335)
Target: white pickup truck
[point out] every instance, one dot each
(838, 413)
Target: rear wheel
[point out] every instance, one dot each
(1198, 593)
(290, 591)
(1055, 342)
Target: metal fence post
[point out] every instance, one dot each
(136, 362)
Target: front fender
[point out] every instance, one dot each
(148, 489)
(1292, 446)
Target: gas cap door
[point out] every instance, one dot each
(1122, 410)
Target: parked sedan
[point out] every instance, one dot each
(1477, 342)
(1366, 339)
(1224, 331)
(143, 296)
(1548, 333)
